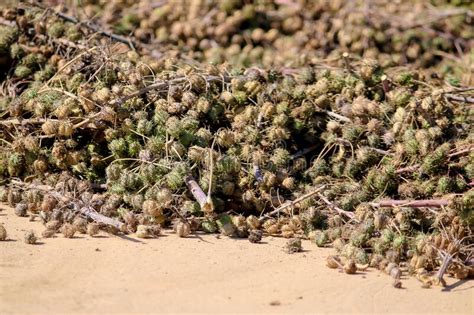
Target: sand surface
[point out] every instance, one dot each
(205, 274)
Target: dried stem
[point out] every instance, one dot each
(415, 167)
(292, 203)
(332, 206)
(95, 28)
(459, 98)
(163, 86)
(199, 195)
(86, 211)
(442, 270)
(435, 203)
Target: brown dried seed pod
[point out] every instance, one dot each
(293, 245)
(50, 127)
(253, 222)
(288, 183)
(255, 236)
(53, 225)
(68, 230)
(48, 233)
(350, 267)
(153, 208)
(183, 229)
(30, 237)
(3, 233)
(92, 229)
(13, 197)
(154, 230)
(48, 203)
(333, 262)
(142, 231)
(21, 209)
(80, 224)
(65, 128)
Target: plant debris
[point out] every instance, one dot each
(345, 123)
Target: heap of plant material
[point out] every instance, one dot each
(376, 162)
(291, 33)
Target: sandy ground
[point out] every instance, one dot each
(206, 274)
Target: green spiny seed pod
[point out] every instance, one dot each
(399, 242)
(8, 36)
(118, 147)
(209, 226)
(22, 71)
(228, 165)
(380, 247)
(433, 161)
(359, 238)
(280, 157)
(130, 181)
(338, 245)
(174, 179)
(321, 238)
(225, 225)
(399, 97)
(55, 29)
(361, 257)
(387, 236)
(445, 185)
(16, 164)
(173, 127)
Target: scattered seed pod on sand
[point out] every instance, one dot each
(351, 142)
(350, 267)
(48, 233)
(142, 231)
(255, 236)
(68, 230)
(92, 229)
(182, 229)
(293, 245)
(30, 237)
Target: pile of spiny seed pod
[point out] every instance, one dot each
(376, 162)
(292, 33)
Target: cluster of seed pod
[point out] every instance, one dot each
(152, 142)
(270, 33)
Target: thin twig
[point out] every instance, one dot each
(434, 203)
(292, 203)
(340, 211)
(459, 98)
